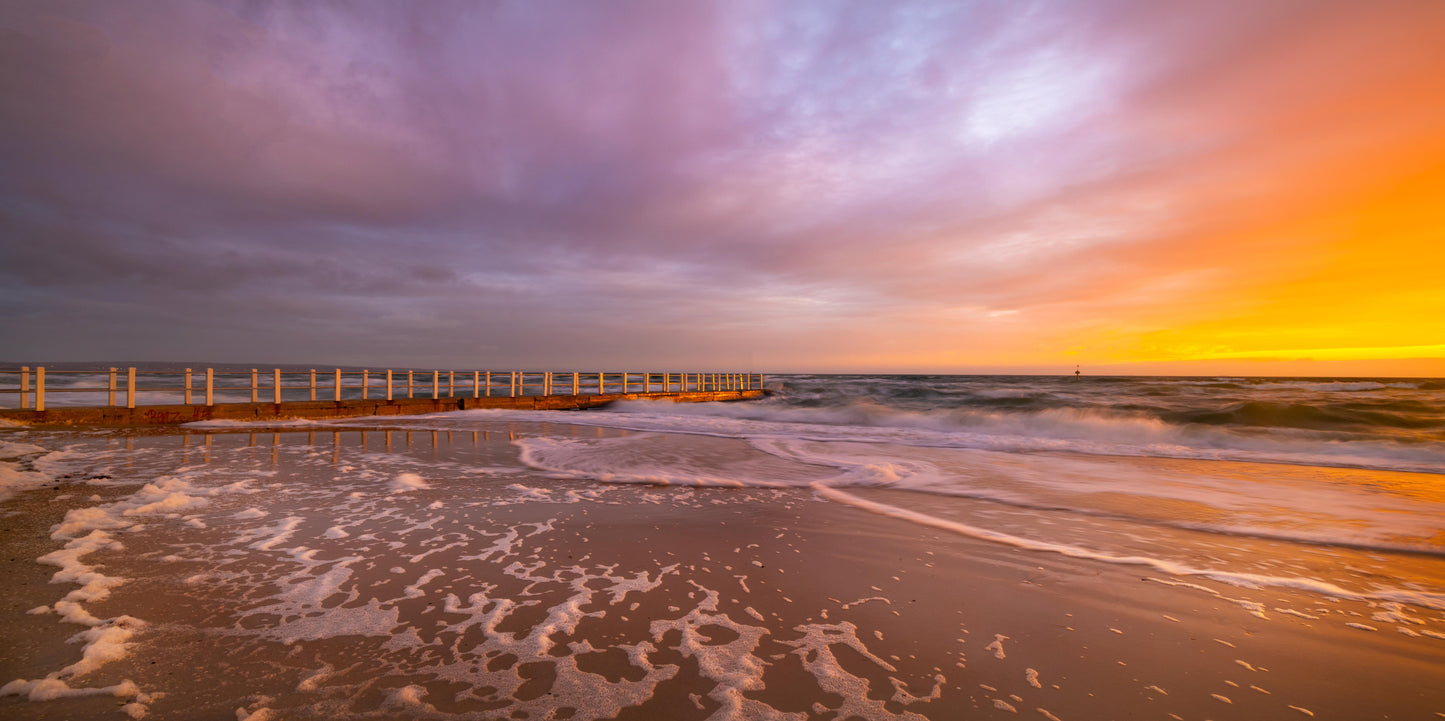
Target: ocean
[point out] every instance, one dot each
(852, 546)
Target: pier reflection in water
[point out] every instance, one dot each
(428, 443)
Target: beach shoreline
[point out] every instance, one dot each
(341, 577)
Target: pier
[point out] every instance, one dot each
(132, 397)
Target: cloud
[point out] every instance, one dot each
(687, 183)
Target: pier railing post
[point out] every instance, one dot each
(489, 384)
(601, 383)
(130, 387)
(110, 396)
(410, 385)
(476, 384)
(512, 384)
(451, 384)
(210, 386)
(647, 382)
(624, 382)
(365, 383)
(576, 383)
(337, 383)
(388, 384)
(40, 388)
(24, 387)
(436, 384)
(313, 384)
(254, 385)
(276, 385)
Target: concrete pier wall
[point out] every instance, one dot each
(160, 415)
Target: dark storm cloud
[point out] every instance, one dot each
(561, 182)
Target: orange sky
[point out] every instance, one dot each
(1134, 187)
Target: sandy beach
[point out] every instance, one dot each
(433, 574)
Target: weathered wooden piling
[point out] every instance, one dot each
(352, 399)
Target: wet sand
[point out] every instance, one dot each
(310, 575)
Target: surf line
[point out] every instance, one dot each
(1233, 578)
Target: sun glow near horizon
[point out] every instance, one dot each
(919, 186)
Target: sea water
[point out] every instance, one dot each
(463, 548)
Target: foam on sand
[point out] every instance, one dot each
(1246, 580)
(18, 472)
(87, 531)
(407, 482)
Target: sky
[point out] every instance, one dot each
(1211, 187)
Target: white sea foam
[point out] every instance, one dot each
(1247, 580)
(88, 531)
(14, 477)
(404, 482)
(1064, 429)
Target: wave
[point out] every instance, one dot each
(1417, 597)
(1058, 430)
(1303, 415)
(1348, 513)
(1334, 386)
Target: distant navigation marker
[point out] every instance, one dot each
(1076, 371)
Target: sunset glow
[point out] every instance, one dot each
(1172, 188)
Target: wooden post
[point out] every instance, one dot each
(188, 386)
(489, 384)
(476, 384)
(313, 384)
(601, 383)
(647, 382)
(276, 385)
(337, 383)
(436, 384)
(576, 383)
(130, 387)
(254, 385)
(410, 387)
(512, 384)
(24, 387)
(210, 387)
(624, 383)
(110, 400)
(451, 384)
(40, 388)
(365, 382)
(388, 384)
